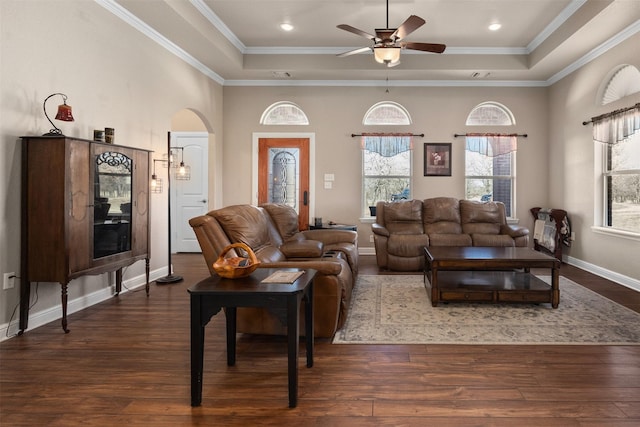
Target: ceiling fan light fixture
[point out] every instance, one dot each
(387, 55)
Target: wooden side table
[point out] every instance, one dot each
(212, 294)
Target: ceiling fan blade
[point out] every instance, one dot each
(425, 47)
(357, 31)
(409, 26)
(353, 52)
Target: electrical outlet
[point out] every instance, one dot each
(9, 280)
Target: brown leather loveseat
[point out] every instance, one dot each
(402, 229)
(271, 231)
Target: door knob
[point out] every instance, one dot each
(204, 200)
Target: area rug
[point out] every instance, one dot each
(395, 309)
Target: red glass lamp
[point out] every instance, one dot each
(64, 114)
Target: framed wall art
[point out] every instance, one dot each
(437, 159)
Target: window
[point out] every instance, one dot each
(386, 158)
(617, 138)
(622, 81)
(284, 113)
(622, 184)
(386, 165)
(490, 159)
(387, 113)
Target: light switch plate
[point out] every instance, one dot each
(329, 177)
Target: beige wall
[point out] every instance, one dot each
(572, 162)
(337, 112)
(114, 76)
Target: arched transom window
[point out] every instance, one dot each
(387, 113)
(623, 81)
(284, 113)
(490, 114)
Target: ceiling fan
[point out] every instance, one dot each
(387, 41)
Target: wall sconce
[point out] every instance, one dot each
(64, 114)
(183, 172)
(156, 183)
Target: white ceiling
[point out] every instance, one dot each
(239, 42)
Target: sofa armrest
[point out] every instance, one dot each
(322, 267)
(329, 237)
(514, 230)
(303, 249)
(379, 230)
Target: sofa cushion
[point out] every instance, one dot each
(303, 249)
(284, 217)
(407, 245)
(496, 240)
(481, 217)
(441, 215)
(454, 239)
(403, 217)
(244, 223)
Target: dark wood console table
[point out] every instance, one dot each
(212, 294)
(486, 274)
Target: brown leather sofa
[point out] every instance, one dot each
(402, 229)
(271, 231)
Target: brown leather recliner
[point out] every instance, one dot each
(403, 229)
(271, 231)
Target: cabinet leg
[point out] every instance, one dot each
(64, 308)
(146, 270)
(118, 281)
(25, 296)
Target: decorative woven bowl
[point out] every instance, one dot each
(236, 267)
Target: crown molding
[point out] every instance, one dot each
(125, 15)
(145, 29)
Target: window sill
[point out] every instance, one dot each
(368, 220)
(616, 233)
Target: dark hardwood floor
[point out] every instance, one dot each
(126, 362)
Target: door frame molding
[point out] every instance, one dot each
(311, 136)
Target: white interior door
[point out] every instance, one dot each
(189, 198)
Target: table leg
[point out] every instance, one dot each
(230, 314)
(308, 321)
(197, 350)
(293, 338)
(434, 286)
(555, 285)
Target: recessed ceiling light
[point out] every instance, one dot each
(495, 26)
(286, 26)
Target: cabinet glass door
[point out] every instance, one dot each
(112, 203)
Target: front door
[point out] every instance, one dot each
(188, 197)
(283, 174)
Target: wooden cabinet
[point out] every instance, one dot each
(85, 211)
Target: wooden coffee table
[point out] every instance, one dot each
(484, 274)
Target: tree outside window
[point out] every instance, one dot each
(622, 184)
(386, 165)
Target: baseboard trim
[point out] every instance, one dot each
(51, 314)
(370, 250)
(623, 280)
